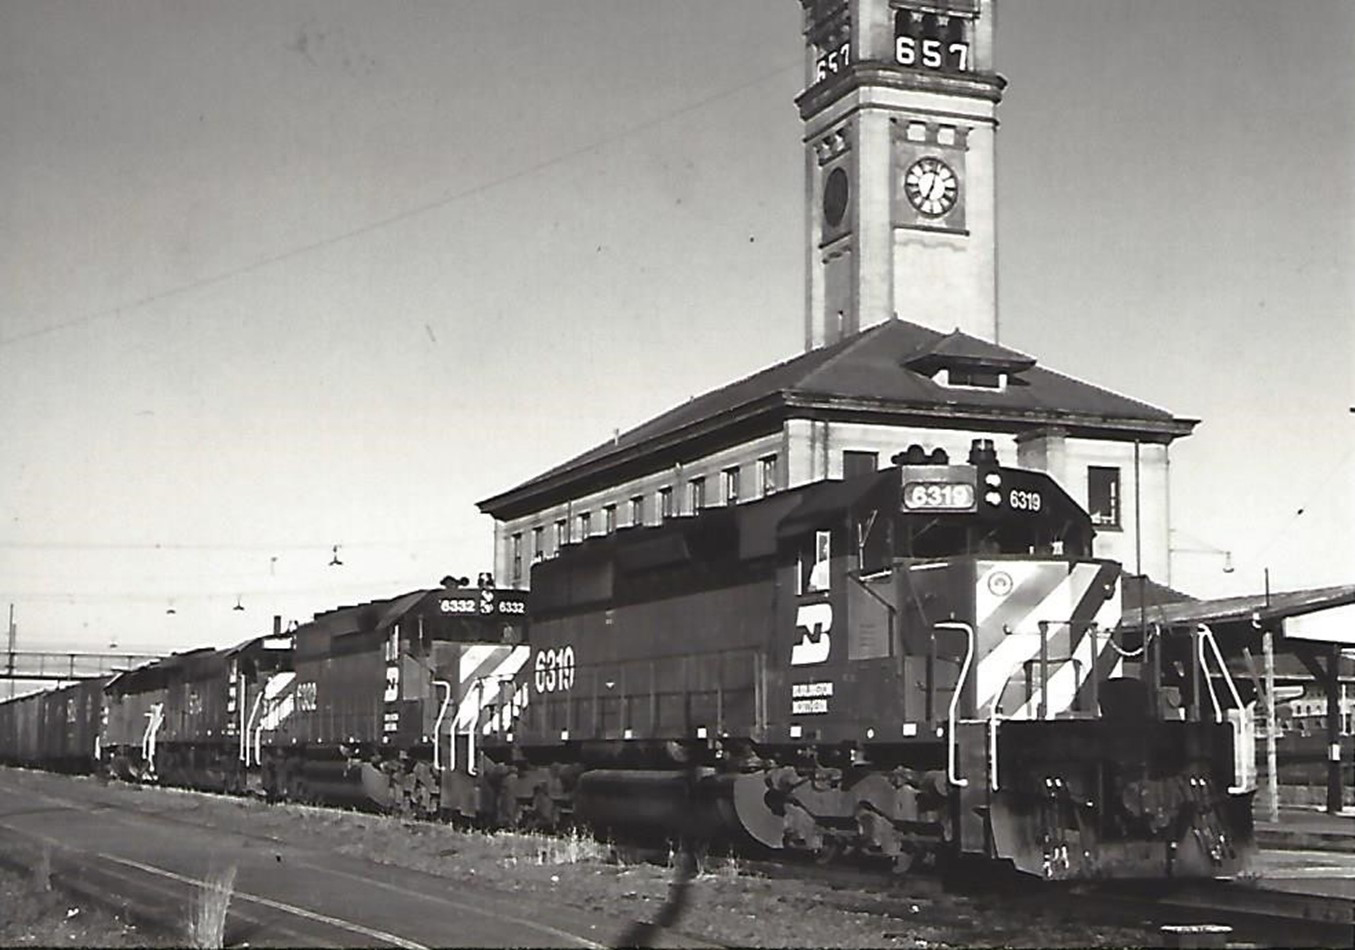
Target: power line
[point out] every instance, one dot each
(223, 547)
(445, 200)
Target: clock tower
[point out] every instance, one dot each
(899, 111)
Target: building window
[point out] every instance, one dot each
(585, 525)
(972, 377)
(665, 503)
(538, 543)
(859, 463)
(697, 494)
(517, 559)
(608, 519)
(767, 474)
(637, 511)
(1103, 496)
(731, 479)
(561, 534)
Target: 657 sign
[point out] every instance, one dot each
(917, 52)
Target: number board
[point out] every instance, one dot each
(931, 42)
(939, 488)
(832, 61)
(483, 602)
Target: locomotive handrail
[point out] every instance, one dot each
(437, 728)
(157, 719)
(1203, 633)
(249, 727)
(993, 720)
(470, 733)
(951, 740)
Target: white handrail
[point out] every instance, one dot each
(474, 724)
(1239, 726)
(157, 716)
(992, 747)
(249, 725)
(955, 696)
(437, 728)
(1223, 668)
(1200, 633)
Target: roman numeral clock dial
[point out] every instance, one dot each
(931, 186)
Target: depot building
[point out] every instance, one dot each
(901, 344)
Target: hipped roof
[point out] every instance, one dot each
(881, 374)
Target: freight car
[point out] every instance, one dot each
(923, 661)
(57, 729)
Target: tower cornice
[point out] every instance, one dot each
(987, 87)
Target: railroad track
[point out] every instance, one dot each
(1258, 915)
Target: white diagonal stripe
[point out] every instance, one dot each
(1023, 642)
(468, 711)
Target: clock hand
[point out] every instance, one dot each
(924, 184)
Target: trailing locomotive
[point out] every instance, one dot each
(345, 709)
(921, 661)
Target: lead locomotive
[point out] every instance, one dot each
(926, 660)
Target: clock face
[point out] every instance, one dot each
(931, 186)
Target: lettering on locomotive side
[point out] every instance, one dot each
(553, 670)
(808, 699)
(392, 684)
(306, 697)
(812, 622)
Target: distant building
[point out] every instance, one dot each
(901, 323)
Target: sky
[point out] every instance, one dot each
(286, 283)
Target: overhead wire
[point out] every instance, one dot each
(395, 218)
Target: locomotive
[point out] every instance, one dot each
(342, 709)
(921, 663)
(925, 661)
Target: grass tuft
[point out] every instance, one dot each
(42, 870)
(211, 903)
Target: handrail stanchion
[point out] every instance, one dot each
(1239, 722)
(437, 728)
(1044, 670)
(970, 645)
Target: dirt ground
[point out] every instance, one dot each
(34, 915)
(728, 902)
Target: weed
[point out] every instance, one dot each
(725, 867)
(42, 870)
(207, 925)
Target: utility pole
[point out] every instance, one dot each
(9, 667)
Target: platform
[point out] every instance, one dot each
(1308, 829)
